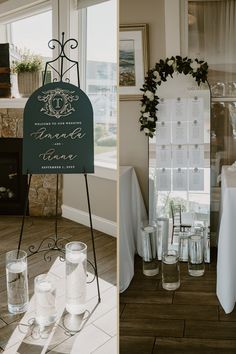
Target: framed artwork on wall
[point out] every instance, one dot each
(133, 60)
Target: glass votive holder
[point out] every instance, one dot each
(196, 266)
(45, 300)
(150, 250)
(170, 270)
(17, 281)
(162, 235)
(183, 246)
(76, 277)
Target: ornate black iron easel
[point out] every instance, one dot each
(56, 243)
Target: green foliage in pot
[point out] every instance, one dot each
(28, 63)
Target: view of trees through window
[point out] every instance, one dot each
(101, 74)
(101, 77)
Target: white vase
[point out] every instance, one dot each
(28, 82)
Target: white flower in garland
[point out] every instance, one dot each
(146, 115)
(154, 79)
(157, 76)
(170, 62)
(146, 130)
(149, 95)
(143, 108)
(195, 66)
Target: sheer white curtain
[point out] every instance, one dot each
(212, 35)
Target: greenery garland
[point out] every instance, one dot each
(197, 68)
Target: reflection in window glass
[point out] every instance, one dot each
(211, 35)
(25, 37)
(101, 80)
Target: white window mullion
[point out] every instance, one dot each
(82, 36)
(3, 33)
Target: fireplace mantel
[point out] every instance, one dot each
(12, 102)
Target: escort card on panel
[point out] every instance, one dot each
(163, 179)
(196, 132)
(179, 109)
(195, 108)
(179, 156)
(196, 155)
(180, 180)
(196, 179)
(163, 133)
(163, 156)
(179, 132)
(164, 110)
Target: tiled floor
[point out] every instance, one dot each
(100, 332)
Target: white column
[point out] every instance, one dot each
(3, 34)
(172, 27)
(65, 19)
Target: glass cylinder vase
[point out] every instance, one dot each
(76, 275)
(196, 266)
(17, 281)
(150, 250)
(183, 246)
(170, 270)
(45, 300)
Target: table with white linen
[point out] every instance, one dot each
(99, 335)
(226, 260)
(132, 213)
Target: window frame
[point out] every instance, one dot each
(102, 169)
(13, 11)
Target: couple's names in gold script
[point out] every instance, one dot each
(51, 154)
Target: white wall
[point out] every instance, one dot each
(102, 198)
(133, 146)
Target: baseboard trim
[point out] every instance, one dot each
(100, 224)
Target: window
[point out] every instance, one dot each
(211, 35)
(101, 78)
(34, 40)
(23, 41)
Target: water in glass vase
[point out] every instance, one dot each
(17, 287)
(45, 300)
(196, 269)
(170, 272)
(76, 276)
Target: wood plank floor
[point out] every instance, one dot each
(35, 230)
(189, 320)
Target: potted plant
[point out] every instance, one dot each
(28, 71)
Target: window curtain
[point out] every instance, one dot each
(212, 33)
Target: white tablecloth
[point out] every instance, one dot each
(132, 212)
(226, 260)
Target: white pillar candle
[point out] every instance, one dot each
(76, 275)
(45, 300)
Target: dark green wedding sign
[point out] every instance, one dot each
(58, 131)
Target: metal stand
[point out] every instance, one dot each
(56, 243)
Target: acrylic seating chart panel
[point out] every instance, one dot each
(179, 154)
(101, 326)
